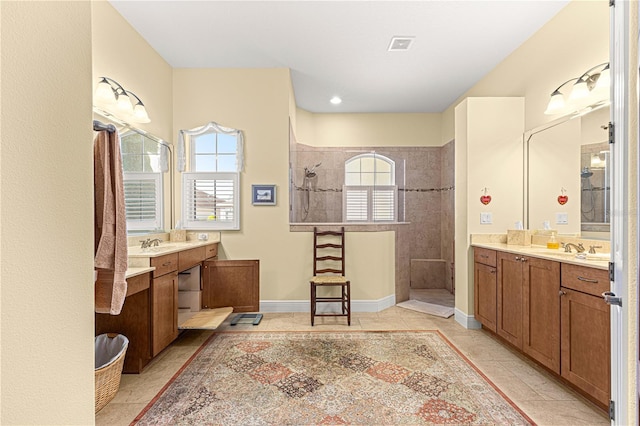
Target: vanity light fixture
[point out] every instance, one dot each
(336, 100)
(113, 98)
(590, 89)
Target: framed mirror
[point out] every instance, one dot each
(567, 175)
(147, 163)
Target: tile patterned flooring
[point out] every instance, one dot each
(536, 392)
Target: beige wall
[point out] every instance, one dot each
(488, 149)
(46, 216)
(119, 52)
(353, 130)
(576, 39)
(257, 102)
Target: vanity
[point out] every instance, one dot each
(548, 305)
(166, 291)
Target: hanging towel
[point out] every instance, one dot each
(110, 224)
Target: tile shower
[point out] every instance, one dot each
(425, 180)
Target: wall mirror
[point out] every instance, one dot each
(567, 175)
(146, 162)
(148, 179)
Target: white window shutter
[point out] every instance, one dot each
(210, 200)
(365, 203)
(143, 201)
(384, 203)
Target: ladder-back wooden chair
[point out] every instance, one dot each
(328, 271)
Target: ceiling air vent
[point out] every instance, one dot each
(399, 43)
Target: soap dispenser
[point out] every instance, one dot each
(553, 243)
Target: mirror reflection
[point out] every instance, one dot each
(568, 175)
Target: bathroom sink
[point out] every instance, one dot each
(598, 256)
(551, 252)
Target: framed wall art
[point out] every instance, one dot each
(263, 195)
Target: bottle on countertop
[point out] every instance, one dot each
(553, 243)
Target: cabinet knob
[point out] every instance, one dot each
(523, 259)
(517, 257)
(562, 293)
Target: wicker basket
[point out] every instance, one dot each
(107, 378)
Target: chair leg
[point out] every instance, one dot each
(349, 303)
(313, 302)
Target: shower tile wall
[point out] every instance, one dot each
(424, 201)
(447, 204)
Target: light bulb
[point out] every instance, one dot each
(140, 113)
(580, 90)
(124, 103)
(336, 100)
(556, 103)
(104, 93)
(604, 81)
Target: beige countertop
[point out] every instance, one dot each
(598, 261)
(167, 248)
(133, 271)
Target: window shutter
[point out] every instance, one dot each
(356, 204)
(143, 201)
(370, 203)
(384, 203)
(210, 200)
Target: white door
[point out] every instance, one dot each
(623, 218)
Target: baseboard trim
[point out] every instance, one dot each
(467, 321)
(304, 305)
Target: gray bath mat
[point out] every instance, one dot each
(427, 308)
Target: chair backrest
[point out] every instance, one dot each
(328, 252)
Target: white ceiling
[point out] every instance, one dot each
(340, 47)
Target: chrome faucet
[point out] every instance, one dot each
(567, 247)
(149, 242)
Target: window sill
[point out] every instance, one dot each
(348, 226)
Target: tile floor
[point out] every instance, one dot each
(536, 392)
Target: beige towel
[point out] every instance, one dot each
(110, 224)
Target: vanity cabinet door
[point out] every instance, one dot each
(233, 283)
(509, 270)
(541, 311)
(485, 295)
(164, 311)
(586, 343)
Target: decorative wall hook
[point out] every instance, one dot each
(485, 198)
(563, 198)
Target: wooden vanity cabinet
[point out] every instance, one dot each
(585, 330)
(133, 322)
(541, 311)
(510, 276)
(529, 306)
(485, 287)
(164, 302)
(234, 283)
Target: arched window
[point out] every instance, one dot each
(369, 193)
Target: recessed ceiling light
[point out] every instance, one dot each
(400, 43)
(336, 100)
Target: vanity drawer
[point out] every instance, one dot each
(137, 284)
(191, 257)
(587, 280)
(484, 256)
(164, 264)
(212, 251)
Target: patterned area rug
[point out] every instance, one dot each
(321, 378)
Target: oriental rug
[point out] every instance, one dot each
(321, 378)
